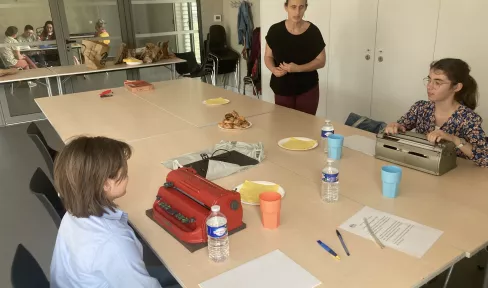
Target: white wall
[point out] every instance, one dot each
(318, 13)
(209, 9)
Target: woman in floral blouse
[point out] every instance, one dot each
(449, 115)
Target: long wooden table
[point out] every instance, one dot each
(159, 129)
(123, 116)
(184, 99)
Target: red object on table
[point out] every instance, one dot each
(107, 93)
(183, 205)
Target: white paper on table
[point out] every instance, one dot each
(361, 144)
(395, 232)
(274, 269)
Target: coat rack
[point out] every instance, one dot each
(237, 4)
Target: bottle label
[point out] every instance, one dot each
(327, 133)
(217, 232)
(330, 178)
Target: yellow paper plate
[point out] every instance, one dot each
(298, 143)
(216, 101)
(250, 190)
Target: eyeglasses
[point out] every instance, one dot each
(435, 83)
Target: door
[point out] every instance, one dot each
(351, 58)
(462, 34)
(405, 42)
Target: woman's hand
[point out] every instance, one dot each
(278, 72)
(394, 128)
(438, 135)
(290, 67)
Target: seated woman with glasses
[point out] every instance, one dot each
(449, 115)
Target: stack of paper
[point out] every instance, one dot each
(271, 270)
(395, 232)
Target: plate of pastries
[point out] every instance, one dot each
(234, 121)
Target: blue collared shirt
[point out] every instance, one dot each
(98, 252)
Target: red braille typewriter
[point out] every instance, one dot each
(183, 205)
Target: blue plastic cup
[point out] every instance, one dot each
(391, 177)
(334, 146)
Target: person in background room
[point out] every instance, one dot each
(449, 114)
(95, 246)
(11, 55)
(30, 36)
(48, 31)
(295, 50)
(100, 30)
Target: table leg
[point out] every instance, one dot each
(448, 277)
(60, 85)
(173, 71)
(48, 86)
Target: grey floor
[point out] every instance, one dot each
(24, 220)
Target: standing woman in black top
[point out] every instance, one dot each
(295, 50)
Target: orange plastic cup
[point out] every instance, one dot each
(270, 209)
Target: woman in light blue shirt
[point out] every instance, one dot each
(95, 246)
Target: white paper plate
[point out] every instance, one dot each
(282, 141)
(227, 101)
(133, 63)
(280, 190)
(250, 125)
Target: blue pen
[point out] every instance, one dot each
(328, 250)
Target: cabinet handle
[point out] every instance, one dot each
(380, 59)
(367, 57)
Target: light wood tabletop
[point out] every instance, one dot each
(25, 75)
(123, 116)
(436, 201)
(160, 125)
(184, 99)
(305, 219)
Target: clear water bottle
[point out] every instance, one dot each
(330, 182)
(218, 240)
(327, 130)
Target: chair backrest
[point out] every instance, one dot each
(25, 271)
(47, 152)
(186, 67)
(217, 38)
(43, 189)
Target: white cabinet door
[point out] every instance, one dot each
(318, 12)
(462, 34)
(405, 41)
(351, 58)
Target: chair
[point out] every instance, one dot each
(25, 271)
(185, 69)
(227, 60)
(43, 189)
(191, 69)
(47, 152)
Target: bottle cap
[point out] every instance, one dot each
(216, 208)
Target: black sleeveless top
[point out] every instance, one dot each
(299, 49)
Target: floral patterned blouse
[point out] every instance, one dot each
(463, 123)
